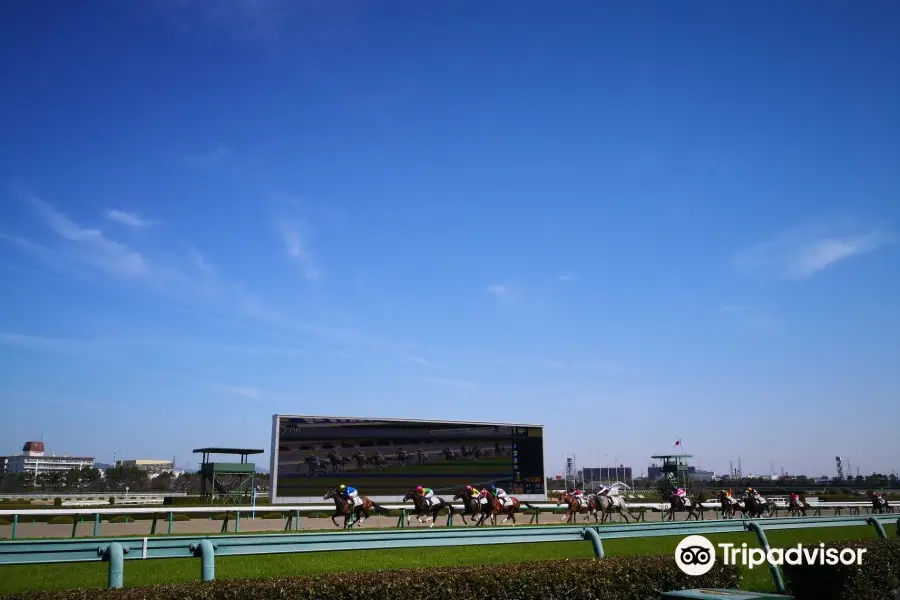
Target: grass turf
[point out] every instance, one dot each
(20, 578)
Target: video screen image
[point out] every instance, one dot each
(388, 458)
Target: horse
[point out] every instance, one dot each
(607, 505)
(676, 504)
(880, 504)
(730, 506)
(496, 507)
(696, 510)
(473, 506)
(349, 509)
(422, 506)
(757, 507)
(587, 505)
(337, 461)
(796, 507)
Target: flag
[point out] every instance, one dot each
(677, 442)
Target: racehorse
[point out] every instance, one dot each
(587, 505)
(676, 504)
(607, 505)
(730, 506)
(796, 507)
(880, 504)
(347, 509)
(423, 507)
(757, 506)
(473, 505)
(496, 507)
(696, 510)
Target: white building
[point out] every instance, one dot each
(34, 460)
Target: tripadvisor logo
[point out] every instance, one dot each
(696, 555)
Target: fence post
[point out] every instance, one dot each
(96, 524)
(114, 554)
(153, 524)
(15, 524)
(74, 526)
(596, 542)
(764, 543)
(170, 523)
(878, 528)
(237, 521)
(207, 553)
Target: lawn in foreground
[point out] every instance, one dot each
(140, 573)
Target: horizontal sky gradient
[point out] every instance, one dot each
(630, 222)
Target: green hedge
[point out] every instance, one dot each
(273, 515)
(875, 579)
(613, 578)
(5, 522)
(61, 520)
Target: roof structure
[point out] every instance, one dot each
(673, 456)
(227, 451)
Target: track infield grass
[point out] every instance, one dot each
(22, 578)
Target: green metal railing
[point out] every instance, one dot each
(116, 551)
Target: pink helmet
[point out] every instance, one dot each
(419, 489)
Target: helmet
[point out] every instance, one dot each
(468, 487)
(343, 487)
(419, 489)
(492, 487)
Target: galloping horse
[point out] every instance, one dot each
(730, 505)
(676, 504)
(796, 507)
(496, 507)
(607, 505)
(473, 505)
(757, 506)
(347, 509)
(422, 507)
(880, 504)
(589, 505)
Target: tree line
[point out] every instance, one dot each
(91, 480)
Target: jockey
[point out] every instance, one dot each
(577, 494)
(498, 493)
(349, 493)
(680, 493)
(473, 492)
(426, 493)
(603, 490)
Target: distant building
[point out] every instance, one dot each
(34, 460)
(621, 473)
(150, 466)
(699, 475)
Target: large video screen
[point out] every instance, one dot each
(384, 458)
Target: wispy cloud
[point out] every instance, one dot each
(128, 219)
(296, 249)
(502, 292)
(82, 345)
(246, 392)
(421, 361)
(249, 305)
(565, 278)
(92, 245)
(803, 254)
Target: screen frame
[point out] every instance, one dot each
(273, 459)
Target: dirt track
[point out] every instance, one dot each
(210, 526)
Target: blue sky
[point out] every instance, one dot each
(629, 222)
